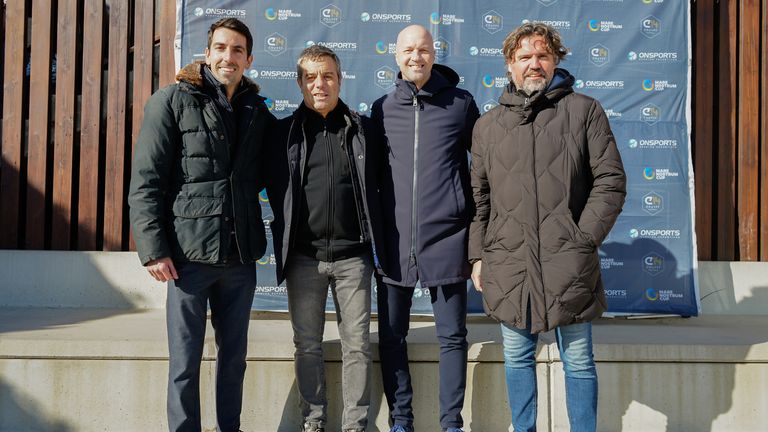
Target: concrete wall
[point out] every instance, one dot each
(83, 348)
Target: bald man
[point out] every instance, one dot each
(426, 197)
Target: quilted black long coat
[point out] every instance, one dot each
(548, 184)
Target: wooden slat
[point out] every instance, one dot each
(749, 129)
(726, 118)
(13, 89)
(702, 135)
(90, 172)
(39, 111)
(167, 35)
(114, 195)
(66, 51)
(764, 136)
(143, 43)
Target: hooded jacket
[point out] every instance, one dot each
(548, 184)
(188, 178)
(426, 197)
(288, 158)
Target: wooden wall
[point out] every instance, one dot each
(67, 137)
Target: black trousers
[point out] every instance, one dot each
(229, 290)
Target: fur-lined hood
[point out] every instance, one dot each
(192, 74)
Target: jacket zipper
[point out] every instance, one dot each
(328, 222)
(358, 194)
(415, 176)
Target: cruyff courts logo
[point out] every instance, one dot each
(653, 264)
(599, 55)
(650, 114)
(650, 26)
(442, 48)
(275, 44)
(384, 77)
(330, 16)
(492, 21)
(652, 203)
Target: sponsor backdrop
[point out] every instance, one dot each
(632, 55)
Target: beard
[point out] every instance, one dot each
(533, 85)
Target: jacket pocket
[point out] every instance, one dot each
(198, 213)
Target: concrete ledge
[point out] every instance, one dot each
(61, 360)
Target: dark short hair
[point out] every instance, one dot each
(314, 53)
(550, 35)
(233, 24)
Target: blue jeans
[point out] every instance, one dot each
(307, 282)
(575, 344)
(449, 304)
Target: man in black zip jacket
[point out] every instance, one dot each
(196, 218)
(427, 206)
(323, 190)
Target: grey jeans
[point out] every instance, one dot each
(307, 282)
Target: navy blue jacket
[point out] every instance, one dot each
(287, 160)
(426, 196)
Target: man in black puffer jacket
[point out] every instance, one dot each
(548, 185)
(427, 122)
(196, 216)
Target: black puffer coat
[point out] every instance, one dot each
(426, 196)
(548, 185)
(187, 176)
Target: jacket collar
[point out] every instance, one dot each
(441, 77)
(561, 85)
(192, 74)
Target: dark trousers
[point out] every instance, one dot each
(230, 293)
(449, 305)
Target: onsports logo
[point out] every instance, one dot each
(492, 21)
(652, 56)
(330, 16)
(653, 143)
(655, 233)
(275, 44)
(270, 14)
(485, 51)
(633, 233)
(362, 107)
(384, 77)
(616, 293)
(650, 26)
(556, 24)
(220, 12)
(385, 17)
(599, 55)
(601, 84)
(336, 45)
(277, 74)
